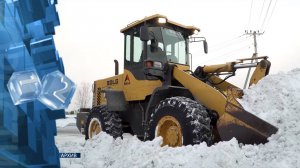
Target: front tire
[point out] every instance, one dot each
(180, 121)
(102, 120)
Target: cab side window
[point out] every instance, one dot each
(137, 49)
(133, 61)
(127, 47)
(133, 48)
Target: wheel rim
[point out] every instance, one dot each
(169, 128)
(94, 127)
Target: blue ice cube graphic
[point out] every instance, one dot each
(24, 86)
(57, 91)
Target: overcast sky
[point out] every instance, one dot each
(89, 37)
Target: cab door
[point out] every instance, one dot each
(136, 86)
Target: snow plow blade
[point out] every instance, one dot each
(244, 126)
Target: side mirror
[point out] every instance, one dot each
(144, 33)
(205, 47)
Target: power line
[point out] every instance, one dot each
(250, 15)
(228, 53)
(257, 33)
(261, 11)
(273, 9)
(226, 41)
(266, 15)
(226, 45)
(235, 51)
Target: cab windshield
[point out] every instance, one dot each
(167, 45)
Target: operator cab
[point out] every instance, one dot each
(167, 45)
(155, 41)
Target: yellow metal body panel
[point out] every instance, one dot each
(183, 67)
(138, 89)
(133, 89)
(228, 67)
(207, 95)
(115, 83)
(259, 72)
(223, 86)
(234, 121)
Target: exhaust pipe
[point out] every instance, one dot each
(116, 67)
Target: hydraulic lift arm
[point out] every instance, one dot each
(234, 120)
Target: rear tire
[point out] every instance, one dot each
(183, 117)
(102, 120)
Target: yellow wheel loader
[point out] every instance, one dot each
(159, 95)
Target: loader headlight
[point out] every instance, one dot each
(196, 32)
(162, 20)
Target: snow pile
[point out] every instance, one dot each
(275, 99)
(65, 121)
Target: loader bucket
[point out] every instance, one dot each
(244, 126)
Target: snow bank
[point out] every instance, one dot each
(275, 99)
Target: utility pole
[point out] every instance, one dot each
(254, 34)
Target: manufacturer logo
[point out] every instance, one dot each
(112, 82)
(127, 80)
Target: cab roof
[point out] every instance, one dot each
(155, 17)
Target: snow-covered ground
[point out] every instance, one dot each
(65, 121)
(275, 99)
